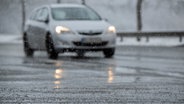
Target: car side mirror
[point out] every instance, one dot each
(46, 20)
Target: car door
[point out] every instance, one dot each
(39, 28)
(36, 30)
(32, 29)
(42, 27)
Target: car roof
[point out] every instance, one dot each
(66, 5)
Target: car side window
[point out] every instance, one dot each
(45, 13)
(37, 15)
(42, 14)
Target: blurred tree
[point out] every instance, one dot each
(23, 15)
(58, 1)
(83, 2)
(139, 15)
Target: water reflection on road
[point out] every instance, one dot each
(58, 75)
(151, 77)
(122, 74)
(110, 75)
(95, 69)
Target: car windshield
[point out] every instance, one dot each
(74, 13)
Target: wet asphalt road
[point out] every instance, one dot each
(135, 75)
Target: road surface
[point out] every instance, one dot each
(135, 75)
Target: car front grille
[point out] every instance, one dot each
(90, 44)
(90, 33)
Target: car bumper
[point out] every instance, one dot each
(71, 43)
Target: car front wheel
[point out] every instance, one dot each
(80, 53)
(108, 53)
(52, 54)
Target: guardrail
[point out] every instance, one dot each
(148, 35)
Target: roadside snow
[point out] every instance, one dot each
(154, 41)
(8, 38)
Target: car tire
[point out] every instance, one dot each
(109, 53)
(27, 49)
(52, 54)
(80, 53)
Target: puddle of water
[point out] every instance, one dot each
(118, 74)
(125, 70)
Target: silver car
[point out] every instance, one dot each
(63, 28)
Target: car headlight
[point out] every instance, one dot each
(111, 29)
(62, 29)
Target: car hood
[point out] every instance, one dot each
(84, 25)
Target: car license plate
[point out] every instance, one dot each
(91, 40)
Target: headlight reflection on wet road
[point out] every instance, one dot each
(58, 75)
(58, 63)
(110, 75)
